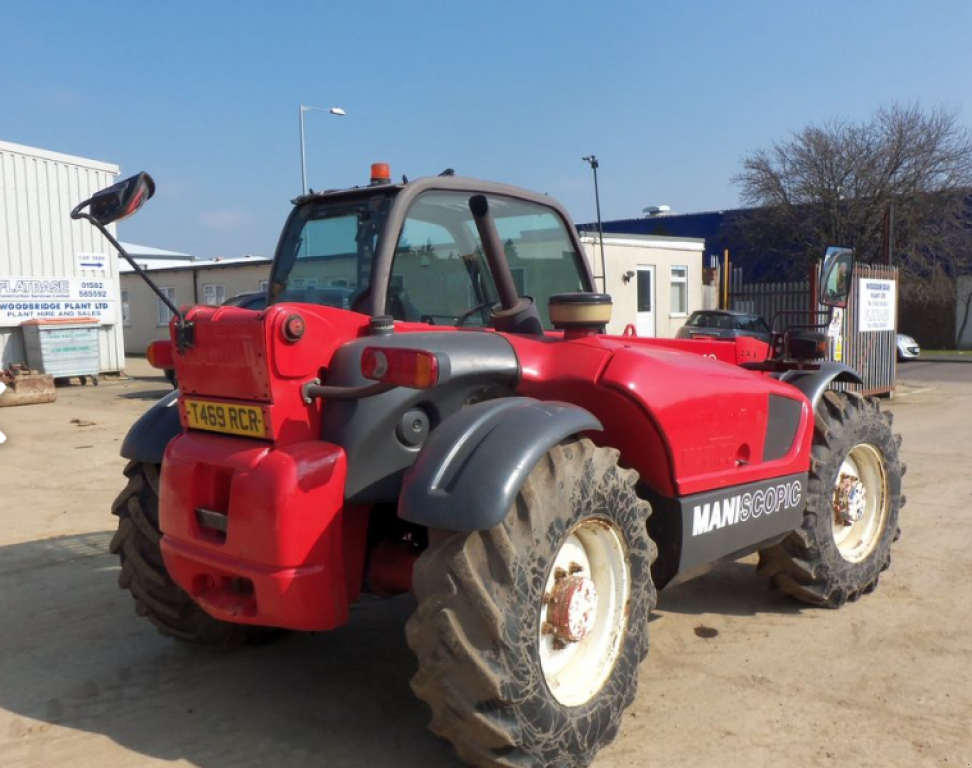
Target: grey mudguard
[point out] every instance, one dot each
(148, 437)
(473, 366)
(473, 465)
(814, 383)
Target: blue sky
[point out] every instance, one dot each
(669, 95)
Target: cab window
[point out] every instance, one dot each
(440, 276)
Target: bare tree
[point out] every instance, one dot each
(833, 184)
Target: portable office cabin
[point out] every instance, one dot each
(51, 266)
(655, 281)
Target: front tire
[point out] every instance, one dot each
(853, 503)
(529, 635)
(157, 597)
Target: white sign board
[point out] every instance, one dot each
(30, 298)
(876, 305)
(98, 261)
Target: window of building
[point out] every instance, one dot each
(126, 315)
(679, 291)
(163, 313)
(263, 285)
(214, 295)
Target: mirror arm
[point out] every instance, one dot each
(184, 329)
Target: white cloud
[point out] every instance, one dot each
(222, 219)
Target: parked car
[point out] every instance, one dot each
(724, 324)
(908, 348)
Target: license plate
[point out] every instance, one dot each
(245, 420)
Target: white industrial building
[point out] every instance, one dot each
(50, 266)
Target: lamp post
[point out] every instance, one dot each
(592, 161)
(303, 157)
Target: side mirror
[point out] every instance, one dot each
(835, 277)
(119, 201)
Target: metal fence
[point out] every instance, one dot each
(766, 299)
(872, 353)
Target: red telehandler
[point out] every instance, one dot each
(429, 403)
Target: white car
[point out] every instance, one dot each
(908, 348)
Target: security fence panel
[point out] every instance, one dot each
(867, 340)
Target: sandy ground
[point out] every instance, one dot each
(84, 683)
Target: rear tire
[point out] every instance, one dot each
(157, 597)
(854, 471)
(503, 687)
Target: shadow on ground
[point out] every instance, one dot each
(731, 589)
(73, 653)
(146, 394)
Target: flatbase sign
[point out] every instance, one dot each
(53, 298)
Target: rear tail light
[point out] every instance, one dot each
(159, 355)
(412, 368)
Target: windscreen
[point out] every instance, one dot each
(327, 252)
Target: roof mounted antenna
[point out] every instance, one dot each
(448, 172)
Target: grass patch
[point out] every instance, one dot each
(947, 352)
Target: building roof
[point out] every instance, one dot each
(58, 157)
(720, 230)
(151, 252)
(659, 241)
(217, 263)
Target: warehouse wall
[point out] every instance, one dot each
(38, 239)
(143, 305)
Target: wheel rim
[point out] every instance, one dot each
(583, 611)
(860, 502)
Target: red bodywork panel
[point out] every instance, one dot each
(687, 422)
(280, 562)
(288, 556)
(292, 552)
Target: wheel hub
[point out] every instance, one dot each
(850, 499)
(572, 608)
(583, 611)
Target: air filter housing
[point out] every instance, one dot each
(580, 311)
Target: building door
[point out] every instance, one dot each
(645, 323)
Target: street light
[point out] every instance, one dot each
(303, 158)
(592, 161)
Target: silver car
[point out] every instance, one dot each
(908, 348)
